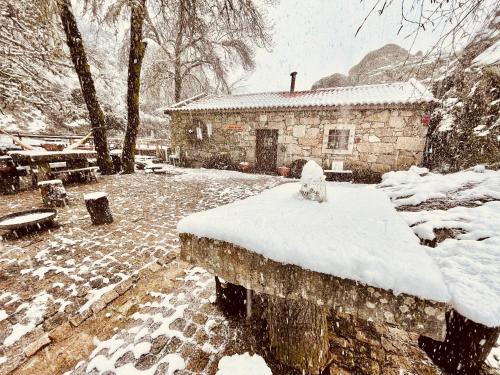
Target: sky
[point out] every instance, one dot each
(316, 39)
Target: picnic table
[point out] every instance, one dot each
(353, 254)
(39, 161)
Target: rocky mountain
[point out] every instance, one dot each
(389, 63)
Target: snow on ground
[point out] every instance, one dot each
(470, 261)
(357, 235)
(489, 56)
(418, 185)
(243, 364)
(77, 263)
(166, 333)
(494, 357)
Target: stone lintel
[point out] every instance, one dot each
(253, 271)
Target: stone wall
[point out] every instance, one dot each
(382, 139)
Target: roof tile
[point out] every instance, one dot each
(410, 92)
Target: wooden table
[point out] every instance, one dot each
(40, 160)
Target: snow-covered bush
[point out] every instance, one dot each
(313, 185)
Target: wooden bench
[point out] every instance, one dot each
(87, 174)
(337, 171)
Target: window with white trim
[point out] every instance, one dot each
(338, 138)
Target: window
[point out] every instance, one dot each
(338, 139)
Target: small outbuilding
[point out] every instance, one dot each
(372, 128)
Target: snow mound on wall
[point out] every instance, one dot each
(356, 235)
(243, 364)
(311, 172)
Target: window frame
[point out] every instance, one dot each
(338, 137)
(350, 141)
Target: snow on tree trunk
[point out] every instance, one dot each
(82, 68)
(313, 185)
(136, 55)
(298, 333)
(465, 347)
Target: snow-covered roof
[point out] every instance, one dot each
(410, 92)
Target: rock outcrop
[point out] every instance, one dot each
(390, 63)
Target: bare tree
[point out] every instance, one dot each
(201, 40)
(30, 52)
(453, 21)
(136, 55)
(82, 68)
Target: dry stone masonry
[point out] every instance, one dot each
(381, 139)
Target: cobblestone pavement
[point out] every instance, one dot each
(74, 271)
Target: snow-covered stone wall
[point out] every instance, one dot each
(377, 139)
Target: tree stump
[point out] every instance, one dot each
(465, 347)
(53, 193)
(298, 333)
(231, 298)
(98, 208)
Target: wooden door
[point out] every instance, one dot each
(266, 150)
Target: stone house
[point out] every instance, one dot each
(372, 128)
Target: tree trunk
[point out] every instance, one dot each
(136, 55)
(298, 333)
(178, 52)
(82, 68)
(465, 347)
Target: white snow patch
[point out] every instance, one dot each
(494, 357)
(94, 196)
(243, 364)
(470, 263)
(418, 185)
(3, 315)
(489, 56)
(95, 294)
(26, 218)
(34, 315)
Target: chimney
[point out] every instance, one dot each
(292, 83)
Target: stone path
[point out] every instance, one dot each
(74, 271)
